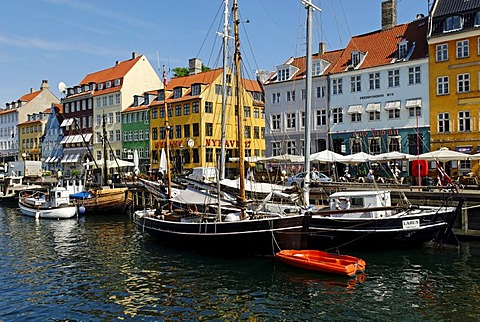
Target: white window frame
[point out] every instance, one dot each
(394, 78)
(443, 125)
(374, 81)
(443, 85)
(463, 83)
(290, 121)
(441, 52)
(464, 121)
(356, 83)
(463, 50)
(414, 75)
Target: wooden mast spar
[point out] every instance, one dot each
(167, 141)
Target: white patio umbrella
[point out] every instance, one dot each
(391, 156)
(136, 162)
(111, 164)
(163, 161)
(285, 158)
(356, 158)
(444, 154)
(325, 156)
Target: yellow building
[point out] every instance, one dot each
(30, 136)
(194, 116)
(454, 66)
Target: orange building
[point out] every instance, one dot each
(454, 71)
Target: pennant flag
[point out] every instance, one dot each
(164, 76)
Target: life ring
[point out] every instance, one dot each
(192, 209)
(343, 203)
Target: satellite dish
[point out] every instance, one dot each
(62, 87)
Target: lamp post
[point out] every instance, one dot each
(24, 156)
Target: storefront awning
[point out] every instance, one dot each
(76, 138)
(395, 105)
(414, 103)
(67, 122)
(355, 109)
(464, 149)
(373, 107)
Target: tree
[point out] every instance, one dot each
(185, 71)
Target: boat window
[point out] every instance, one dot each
(356, 202)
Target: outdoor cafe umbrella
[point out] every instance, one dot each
(287, 158)
(391, 156)
(356, 158)
(443, 154)
(325, 156)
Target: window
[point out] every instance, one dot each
(337, 86)
(276, 122)
(402, 49)
(443, 122)
(394, 78)
(116, 82)
(195, 107)
(452, 24)
(414, 111)
(118, 135)
(283, 74)
(374, 145)
(186, 130)
(117, 117)
(117, 98)
(355, 83)
(321, 91)
(248, 132)
(477, 19)
(290, 95)
(442, 85)
(463, 121)
(256, 132)
(414, 75)
(178, 110)
(178, 131)
(290, 119)
(195, 89)
(355, 117)
(356, 145)
(154, 133)
(276, 148)
(463, 83)
(208, 107)
(99, 120)
(442, 52)
(291, 148)
(209, 129)
(110, 101)
(196, 129)
(186, 109)
(337, 114)
(256, 112)
(374, 115)
(275, 98)
(110, 118)
(394, 143)
(177, 92)
(247, 111)
(462, 49)
(170, 111)
(355, 58)
(321, 117)
(394, 113)
(374, 80)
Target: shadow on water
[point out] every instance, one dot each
(103, 268)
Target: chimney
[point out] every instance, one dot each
(389, 14)
(32, 90)
(322, 47)
(134, 55)
(194, 66)
(44, 85)
(116, 63)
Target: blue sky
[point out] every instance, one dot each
(64, 40)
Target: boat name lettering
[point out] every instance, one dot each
(411, 224)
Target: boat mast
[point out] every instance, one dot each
(104, 142)
(239, 109)
(167, 140)
(224, 92)
(308, 95)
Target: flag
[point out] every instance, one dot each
(164, 76)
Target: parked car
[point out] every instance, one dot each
(299, 179)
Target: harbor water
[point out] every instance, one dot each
(105, 269)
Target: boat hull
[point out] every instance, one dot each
(63, 212)
(412, 229)
(104, 202)
(319, 261)
(247, 237)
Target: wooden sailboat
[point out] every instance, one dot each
(242, 232)
(103, 199)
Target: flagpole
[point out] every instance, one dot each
(167, 140)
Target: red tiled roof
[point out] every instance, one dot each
(30, 96)
(12, 110)
(30, 122)
(252, 85)
(112, 73)
(136, 108)
(201, 78)
(381, 46)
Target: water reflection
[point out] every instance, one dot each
(104, 269)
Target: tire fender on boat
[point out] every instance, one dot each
(192, 208)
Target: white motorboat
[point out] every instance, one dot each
(52, 204)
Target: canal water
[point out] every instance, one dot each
(104, 269)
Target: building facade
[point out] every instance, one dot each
(52, 149)
(454, 48)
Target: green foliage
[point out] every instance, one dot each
(180, 71)
(205, 68)
(75, 173)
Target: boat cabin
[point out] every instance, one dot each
(351, 200)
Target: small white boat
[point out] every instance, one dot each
(53, 204)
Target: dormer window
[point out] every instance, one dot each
(85, 88)
(100, 86)
(71, 91)
(195, 89)
(477, 19)
(146, 99)
(177, 92)
(355, 58)
(108, 84)
(402, 50)
(283, 74)
(452, 24)
(319, 67)
(116, 82)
